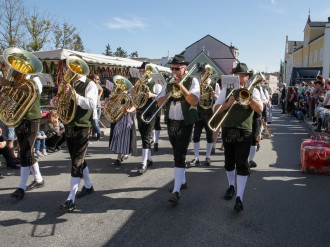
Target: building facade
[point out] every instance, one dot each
(312, 52)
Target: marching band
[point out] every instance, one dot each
(189, 100)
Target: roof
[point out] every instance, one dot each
(61, 54)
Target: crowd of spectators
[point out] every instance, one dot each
(309, 100)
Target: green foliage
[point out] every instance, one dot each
(120, 52)
(108, 51)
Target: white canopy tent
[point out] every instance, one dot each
(94, 59)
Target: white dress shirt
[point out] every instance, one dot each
(175, 112)
(89, 102)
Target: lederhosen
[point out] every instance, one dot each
(236, 137)
(77, 133)
(146, 128)
(180, 131)
(204, 116)
(27, 132)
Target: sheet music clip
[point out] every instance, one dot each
(135, 72)
(158, 78)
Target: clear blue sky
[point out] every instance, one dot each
(156, 28)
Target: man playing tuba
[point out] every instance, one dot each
(209, 91)
(23, 66)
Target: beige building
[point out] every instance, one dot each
(304, 59)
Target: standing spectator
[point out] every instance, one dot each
(283, 98)
(315, 93)
(97, 111)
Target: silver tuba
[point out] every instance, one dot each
(15, 103)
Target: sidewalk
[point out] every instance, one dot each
(309, 124)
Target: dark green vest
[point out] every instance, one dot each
(34, 112)
(83, 117)
(189, 112)
(240, 117)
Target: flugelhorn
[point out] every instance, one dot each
(66, 108)
(175, 92)
(243, 96)
(15, 103)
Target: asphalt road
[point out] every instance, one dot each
(282, 206)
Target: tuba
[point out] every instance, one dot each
(66, 108)
(140, 90)
(206, 99)
(242, 96)
(118, 101)
(15, 103)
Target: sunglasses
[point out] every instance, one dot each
(177, 69)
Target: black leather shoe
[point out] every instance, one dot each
(142, 169)
(230, 192)
(194, 162)
(207, 162)
(238, 204)
(174, 199)
(35, 185)
(18, 193)
(84, 191)
(68, 205)
(150, 163)
(252, 164)
(156, 147)
(213, 150)
(183, 187)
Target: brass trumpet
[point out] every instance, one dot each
(243, 96)
(175, 92)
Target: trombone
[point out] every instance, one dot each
(176, 92)
(243, 96)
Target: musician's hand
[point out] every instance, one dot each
(150, 95)
(213, 95)
(230, 101)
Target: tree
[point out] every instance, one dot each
(64, 35)
(120, 52)
(134, 54)
(38, 28)
(11, 18)
(77, 44)
(108, 51)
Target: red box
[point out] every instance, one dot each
(316, 159)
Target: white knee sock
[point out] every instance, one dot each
(196, 150)
(157, 134)
(74, 184)
(149, 154)
(87, 180)
(179, 174)
(213, 144)
(241, 183)
(208, 150)
(231, 177)
(25, 172)
(184, 177)
(153, 135)
(252, 153)
(144, 156)
(36, 172)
